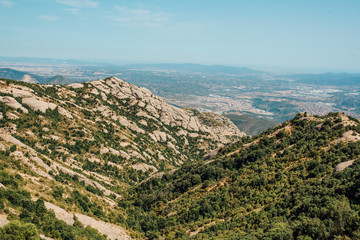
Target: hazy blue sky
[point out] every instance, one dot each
(306, 34)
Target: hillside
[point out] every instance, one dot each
(299, 180)
(78, 149)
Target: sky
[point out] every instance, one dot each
(291, 35)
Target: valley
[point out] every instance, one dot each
(179, 120)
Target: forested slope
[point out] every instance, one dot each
(299, 180)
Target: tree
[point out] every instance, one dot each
(18, 230)
(279, 231)
(57, 192)
(13, 148)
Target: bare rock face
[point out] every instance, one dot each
(29, 98)
(3, 220)
(111, 230)
(65, 113)
(342, 166)
(37, 104)
(11, 102)
(144, 167)
(76, 85)
(160, 136)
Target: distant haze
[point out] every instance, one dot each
(282, 35)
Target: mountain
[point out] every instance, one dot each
(195, 68)
(79, 149)
(298, 180)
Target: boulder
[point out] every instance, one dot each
(342, 166)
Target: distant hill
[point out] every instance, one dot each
(196, 68)
(250, 124)
(332, 79)
(58, 80)
(8, 73)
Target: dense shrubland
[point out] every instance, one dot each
(277, 185)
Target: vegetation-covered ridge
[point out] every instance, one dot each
(299, 180)
(81, 147)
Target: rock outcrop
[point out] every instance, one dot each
(342, 166)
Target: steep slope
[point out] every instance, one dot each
(80, 147)
(299, 180)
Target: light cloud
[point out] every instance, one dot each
(140, 17)
(7, 3)
(79, 3)
(49, 18)
(75, 11)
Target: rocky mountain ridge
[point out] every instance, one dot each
(115, 103)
